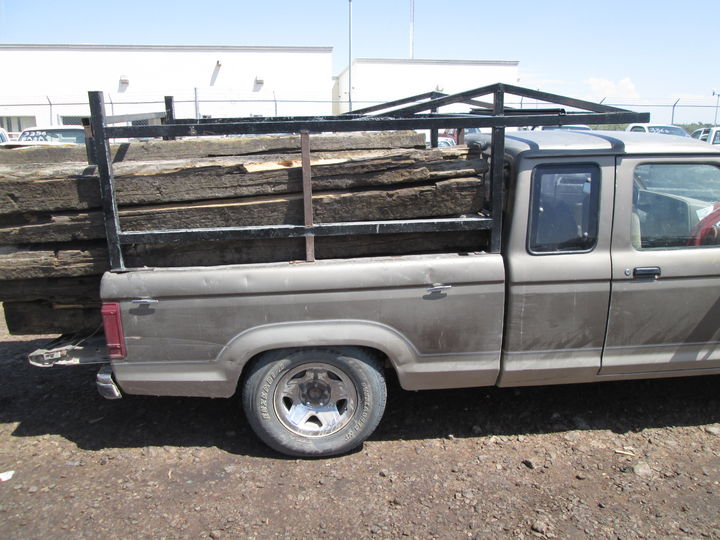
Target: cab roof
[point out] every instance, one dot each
(564, 142)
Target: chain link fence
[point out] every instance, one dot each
(18, 115)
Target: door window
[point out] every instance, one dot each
(564, 209)
(676, 206)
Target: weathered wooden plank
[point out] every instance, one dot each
(218, 146)
(279, 250)
(69, 261)
(68, 290)
(59, 188)
(443, 198)
(362, 160)
(205, 183)
(48, 318)
(32, 262)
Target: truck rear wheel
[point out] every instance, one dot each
(314, 402)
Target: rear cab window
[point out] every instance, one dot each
(564, 208)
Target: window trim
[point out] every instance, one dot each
(563, 168)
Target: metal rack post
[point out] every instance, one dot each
(307, 195)
(107, 190)
(169, 115)
(497, 162)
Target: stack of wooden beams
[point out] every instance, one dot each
(52, 237)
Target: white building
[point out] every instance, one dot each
(377, 80)
(49, 83)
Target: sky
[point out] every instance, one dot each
(627, 52)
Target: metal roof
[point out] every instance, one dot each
(565, 142)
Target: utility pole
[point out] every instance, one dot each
(350, 108)
(412, 29)
(717, 101)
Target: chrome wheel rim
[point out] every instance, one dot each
(315, 400)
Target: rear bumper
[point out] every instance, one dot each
(106, 384)
(74, 351)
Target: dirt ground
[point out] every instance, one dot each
(617, 460)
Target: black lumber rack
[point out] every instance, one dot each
(402, 114)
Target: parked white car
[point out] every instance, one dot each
(48, 136)
(54, 135)
(665, 129)
(567, 127)
(4, 136)
(709, 135)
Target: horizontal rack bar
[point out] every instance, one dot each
(372, 124)
(473, 113)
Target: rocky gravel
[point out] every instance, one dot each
(616, 460)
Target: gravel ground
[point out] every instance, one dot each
(617, 460)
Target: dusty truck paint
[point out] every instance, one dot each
(208, 322)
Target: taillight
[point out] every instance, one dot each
(113, 330)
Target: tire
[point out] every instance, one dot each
(314, 402)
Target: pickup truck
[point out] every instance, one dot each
(710, 135)
(608, 270)
(46, 136)
(605, 267)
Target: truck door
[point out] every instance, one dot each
(665, 299)
(558, 261)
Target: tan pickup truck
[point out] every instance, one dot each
(609, 270)
(607, 267)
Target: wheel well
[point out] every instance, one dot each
(377, 353)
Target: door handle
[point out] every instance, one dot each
(438, 287)
(647, 272)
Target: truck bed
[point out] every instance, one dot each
(189, 331)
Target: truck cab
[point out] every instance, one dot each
(611, 258)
